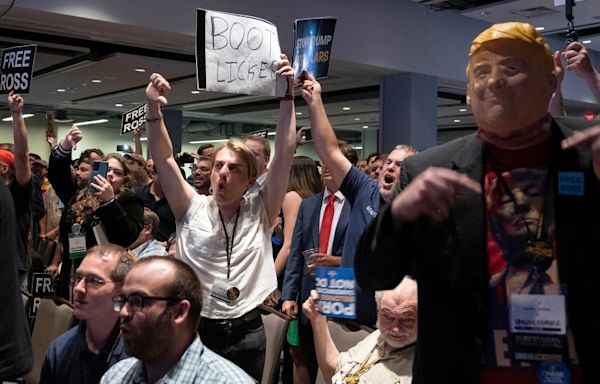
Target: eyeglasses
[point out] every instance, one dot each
(90, 280)
(136, 301)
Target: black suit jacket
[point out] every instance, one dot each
(451, 261)
(297, 280)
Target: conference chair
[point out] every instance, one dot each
(344, 338)
(276, 324)
(54, 317)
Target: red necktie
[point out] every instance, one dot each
(326, 225)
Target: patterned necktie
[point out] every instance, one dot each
(326, 225)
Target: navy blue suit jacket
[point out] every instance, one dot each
(306, 235)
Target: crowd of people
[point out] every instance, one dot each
(167, 274)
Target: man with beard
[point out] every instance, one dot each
(159, 322)
(85, 352)
(386, 355)
(364, 194)
(502, 228)
(201, 174)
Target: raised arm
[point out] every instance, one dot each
(327, 353)
(178, 192)
(21, 147)
(275, 186)
(322, 132)
(137, 139)
(578, 60)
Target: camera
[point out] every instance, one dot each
(186, 158)
(124, 148)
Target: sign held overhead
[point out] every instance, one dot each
(133, 119)
(237, 54)
(17, 69)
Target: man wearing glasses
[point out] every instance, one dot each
(159, 322)
(85, 352)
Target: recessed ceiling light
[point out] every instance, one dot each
(140, 69)
(357, 147)
(195, 92)
(586, 41)
(61, 90)
(118, 105)
(462, 110)
(540, 28)
(484, 13)
(457, 120)
(143, 139)
(357, 119)
(25, 115)
(365, 126)
(99, 121)
(96, 81)
(298, 113)
(346, 108)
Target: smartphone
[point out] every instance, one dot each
(99, 168)
(124, 148)
(308, 135)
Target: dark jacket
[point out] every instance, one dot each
(122, 219)
(451, 261)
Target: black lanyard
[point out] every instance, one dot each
(228, 244)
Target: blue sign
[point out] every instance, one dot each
(571, 183)
(337, 292)
(313, 39)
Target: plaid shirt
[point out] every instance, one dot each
(197, 365)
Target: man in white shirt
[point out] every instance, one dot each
(226, 237)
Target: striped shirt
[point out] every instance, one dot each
(197, 365)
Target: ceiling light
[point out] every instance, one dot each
(143, 139)
(271, 133)
(365, 126)
(357, 119)
(140, 69)
(457, 120)
(357, 147)
(540, 28)
(208, 141)
(462, 110)
(195, 92)
(96, 81)
(346, 108)
(118, 105)
(586, 41)
(298, 113)
(89, 122)
(26, 115)
(61, 90)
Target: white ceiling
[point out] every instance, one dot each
(73, 60)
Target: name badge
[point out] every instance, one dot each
(539, 314)
(571, 183)
(77, 246)
(553, 372)
(224, 292)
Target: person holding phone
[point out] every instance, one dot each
(100, 208)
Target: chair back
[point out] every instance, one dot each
(52, 320)
(344, 338)
(276, 325)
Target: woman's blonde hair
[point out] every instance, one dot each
(246, 155)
